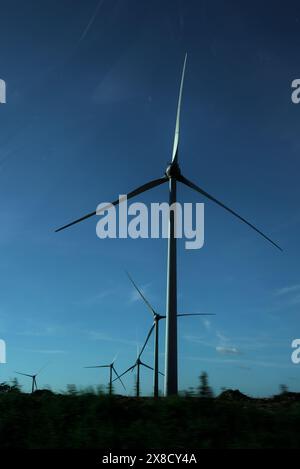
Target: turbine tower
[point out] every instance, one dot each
(172, 176)
(155, 327)
(112, 370)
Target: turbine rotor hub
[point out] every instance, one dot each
(173, 171)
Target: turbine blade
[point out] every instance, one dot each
(24, 374)
(176, 136)
(116, 356)
(150, 368)
(147, 366)
(130, 368)
(196, 314)
(42, 368)
(139, 190)
(119, 378)
(210, 197)
(97, 366)
(141, 294)
(147, 339)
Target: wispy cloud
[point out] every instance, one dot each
(242, 345)
(46, 331)
(245, 364)
(102, 336)
(50, 351)
(222, 338)
(287, 297)
(245, 367)
(199, 340)
(295, 300)
(207, 324)
(221, 343)
(96, 298)
(91, 21)
(288, 289)
(225, 347)
(228, 350)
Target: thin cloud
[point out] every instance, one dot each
(47, 331)
(221, 337)
(238, 346)
(295, 300)
(50, 351)
(221, 343)
(224, 347)
(287, 297)
(207, 324)
(199, 340)
(102, 336)
(228, 350)
(288, 289)
(97, 298)
(254, 363)
(91, 21)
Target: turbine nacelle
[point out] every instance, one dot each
(158, 317)
(173, 170)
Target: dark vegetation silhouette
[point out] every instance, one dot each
(204, 389)
(90, 418)
(283, 389)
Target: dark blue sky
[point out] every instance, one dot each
(91, 102)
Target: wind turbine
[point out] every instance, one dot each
(155, 327)
(138, 363)
(172, 176)
(112, 370)
(33, 377)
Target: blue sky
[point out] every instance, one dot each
(90, 114)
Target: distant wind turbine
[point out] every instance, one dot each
(172, 176)
(155, 327)
(112, 370)
(33, 377)
(138, 363)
